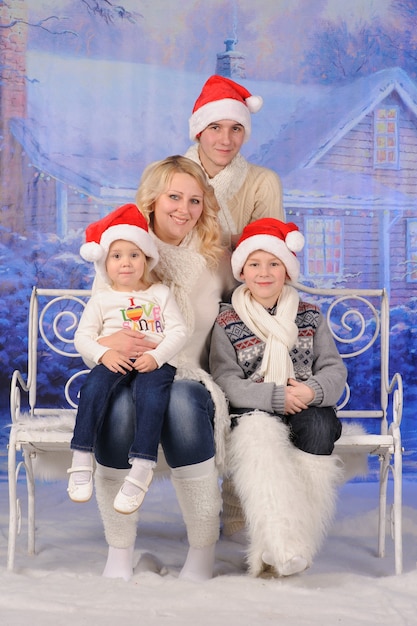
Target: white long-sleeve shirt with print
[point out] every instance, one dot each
(153, 311)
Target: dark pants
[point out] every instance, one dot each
(313, 430)
(187, 433)
(151, 397)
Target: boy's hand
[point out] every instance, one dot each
(145, 363)
(116, 362)
(297, 397)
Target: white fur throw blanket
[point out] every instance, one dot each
(49, 437)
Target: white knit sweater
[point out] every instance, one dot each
(198, 291)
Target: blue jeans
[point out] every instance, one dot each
(150, 401)
(313, 430)
(187, 432)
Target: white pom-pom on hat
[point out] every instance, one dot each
(254, 103)
(271, 235)
(295, 241)
(91, 251)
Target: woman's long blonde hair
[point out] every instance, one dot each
(155, 181)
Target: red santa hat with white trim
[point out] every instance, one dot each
(281, 239)
(223, 99)
(127, 223)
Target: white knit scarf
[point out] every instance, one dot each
(225, 184)
(279, 331)
(180, 268)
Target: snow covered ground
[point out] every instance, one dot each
(62, 584)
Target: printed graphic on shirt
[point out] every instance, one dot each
(145, 316)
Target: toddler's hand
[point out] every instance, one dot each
(145, 363)
(116, 362)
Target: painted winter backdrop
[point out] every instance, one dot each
(91, 92)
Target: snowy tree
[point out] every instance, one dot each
(339, 54)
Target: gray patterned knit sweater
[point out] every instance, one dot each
(236, 355)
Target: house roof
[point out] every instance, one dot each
(95, 124)
(98, 134)
(316, 126)
(110, 179)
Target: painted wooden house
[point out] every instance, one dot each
(349, 169)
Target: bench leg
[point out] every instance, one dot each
(30, 483)
(383, 483)
(14, 508)
(397, 510)
(15, 513)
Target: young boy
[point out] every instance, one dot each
(124, 254)
(272, 354)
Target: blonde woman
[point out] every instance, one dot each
(181, 208)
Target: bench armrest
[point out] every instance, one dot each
(395, 389)
(17, 386)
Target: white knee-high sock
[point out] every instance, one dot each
(199, 564)
(120, 530)
(119, 563)
(81, 458)
(140, 471)
(198, 494)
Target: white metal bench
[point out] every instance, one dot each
(359, 320)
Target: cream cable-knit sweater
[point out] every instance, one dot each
(245, 192)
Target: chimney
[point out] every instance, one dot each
(13, 19)
(231, 63)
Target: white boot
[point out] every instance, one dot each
(198, 495)
(119, 530)
(288, 496)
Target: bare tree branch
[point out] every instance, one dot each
(109, 11)
(41, 25)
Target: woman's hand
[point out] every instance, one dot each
(297, 397)
(129, 343)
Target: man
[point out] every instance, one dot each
(220, 123)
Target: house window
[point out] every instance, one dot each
(411, 260)
(323, 252)
(386, 152)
